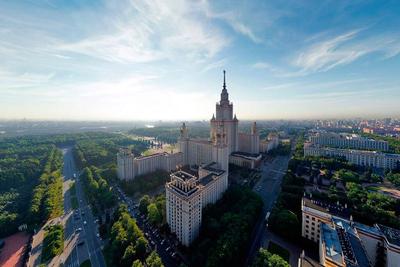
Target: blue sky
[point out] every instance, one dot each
(161, 59)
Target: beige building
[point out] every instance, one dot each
(187, 195)
(130, 166)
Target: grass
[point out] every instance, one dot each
(86, 263)
(276, 249)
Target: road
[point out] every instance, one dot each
(83, 244)
(268, 187)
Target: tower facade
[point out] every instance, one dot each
(224, 118)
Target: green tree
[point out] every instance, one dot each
(144, 202)
(286, 223)
(153, 214)
(153, 260)
(128, 256)
(265, 259)
(141, 245)
(137, 263)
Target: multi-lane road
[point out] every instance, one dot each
(81, 239)
(268, 187)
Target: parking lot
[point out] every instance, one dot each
(166, 246)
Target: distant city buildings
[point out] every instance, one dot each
(343, 242)
(345, 140)
(358, 157)
(355, 149)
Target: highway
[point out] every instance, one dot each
(81, 241)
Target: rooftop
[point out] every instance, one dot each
(206, 179)
(352, 248)
(212, 167)
(327, 207)
(392, 235)
(245, 155)
(330, 239)
(183, 175)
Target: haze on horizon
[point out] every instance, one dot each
(163, 60)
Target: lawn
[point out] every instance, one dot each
(276, 249)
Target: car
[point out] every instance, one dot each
(80, 243)
(168, 249)
(98, 235)
(84, 222)
(78, 230)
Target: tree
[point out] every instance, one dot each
(137, 263)
(153, 214)
(285, 223)
(144, 202)
(128, 256)
(153, 260)
(266, 259)
(141, 245)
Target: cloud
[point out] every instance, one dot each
(146, 31)
(342, 50)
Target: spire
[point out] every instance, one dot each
(224, 93)
(224, 86)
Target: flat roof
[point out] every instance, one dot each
(206, 179)
(213, 168)
(392, 235)
(330, 238)
(327, 207)
(152, 155)
(200, 141)
(183, 175)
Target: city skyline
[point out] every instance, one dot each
(163, 60)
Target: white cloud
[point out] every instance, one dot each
(343, 49)
(145, 31)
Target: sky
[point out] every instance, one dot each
(163, 60)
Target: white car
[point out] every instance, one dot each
(84, 222)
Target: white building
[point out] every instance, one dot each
(187, 195)
(353, 141)
(271, 142)
(225, 141)
(343, 242)
(130, 166)
(224, 126)
(358, 157)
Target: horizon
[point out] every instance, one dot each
(163, 60)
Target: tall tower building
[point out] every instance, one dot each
(224, 118)
(183, 143)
